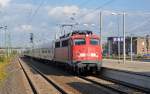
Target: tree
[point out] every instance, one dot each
(147, 42)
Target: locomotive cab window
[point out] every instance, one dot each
(94, 41)
(79, 41)
(65, 43)
(57, 44)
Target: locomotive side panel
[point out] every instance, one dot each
(61, 50)
(61, 54)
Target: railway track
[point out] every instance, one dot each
(46, 86)
(114, 87)
(60, 88)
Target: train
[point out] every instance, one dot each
(79, 51)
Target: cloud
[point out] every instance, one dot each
(44, 23)
(82, 15)
(63, 14)
(24, 28)
(90, 18)
(4, 3)
(65, 10)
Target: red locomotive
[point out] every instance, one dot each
(80, 50)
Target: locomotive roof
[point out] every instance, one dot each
(82, 36)
(82, 32)
(77, 32)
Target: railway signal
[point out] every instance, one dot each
(31, 37)
(32, 42)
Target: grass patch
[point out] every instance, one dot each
(3, 64)
(3, 73)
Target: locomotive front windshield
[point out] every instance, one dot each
(79, 42)
(94, 41)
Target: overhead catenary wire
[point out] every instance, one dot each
(139, 25)
(32, 14)
(36, 10)
(97, 8)
(43, 1)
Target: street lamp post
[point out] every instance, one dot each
(100, 28)
(131, 48)
(6, 42)
(118, 39)
(2, 39)
(124, 39)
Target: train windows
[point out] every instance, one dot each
(57, 44)
(94, 41)
(46, 51)
(64, 43)
(79, 41)
(49, 51)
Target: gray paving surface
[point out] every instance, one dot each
(15, 82)
(135, 66)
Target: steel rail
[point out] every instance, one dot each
(28, 79)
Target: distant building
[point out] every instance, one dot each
(14, 50)
(140, 45)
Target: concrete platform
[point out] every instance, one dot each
(135, 66)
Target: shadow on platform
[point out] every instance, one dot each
(45, 68)
(89, 88)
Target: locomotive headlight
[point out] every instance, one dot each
(94, 55)
(82, 55)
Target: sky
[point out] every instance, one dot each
(44, 17)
